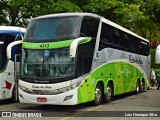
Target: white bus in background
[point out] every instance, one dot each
(8, 85)
(157, 55)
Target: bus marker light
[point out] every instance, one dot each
(41, 99)
(21, 96)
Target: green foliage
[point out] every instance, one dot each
(151, 8)
(19, 12)
(2, 17)
(104, 8)
(133, 18)
(136, 2)
(139, 16)
(65, 6)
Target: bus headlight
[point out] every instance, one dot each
(49, 92)
(73, 86)
(27, 90)
(65, 89)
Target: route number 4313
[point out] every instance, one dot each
(44, 45)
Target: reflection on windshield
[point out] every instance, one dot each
(46, 64)
(52, 29)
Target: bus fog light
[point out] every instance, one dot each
(68, 97)
(21, 96)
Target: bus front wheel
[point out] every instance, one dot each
(98, 94)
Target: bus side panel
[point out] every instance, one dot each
(131, 75)
(85, 91)
(111, 72)
(123, 75)
(7, 81)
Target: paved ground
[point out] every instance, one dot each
(129, 106)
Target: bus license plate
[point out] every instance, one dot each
(41, 99)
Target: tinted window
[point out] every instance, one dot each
(89, 27)
(115, 38)
(7, 39)
(106, 37)
(84, 58)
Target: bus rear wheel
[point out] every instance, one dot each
(142, 87)
(98, 95)
(138, 87)
(109, 93)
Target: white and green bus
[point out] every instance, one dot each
(74, 58)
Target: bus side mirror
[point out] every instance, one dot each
(9, 47)
(74, 45)
(157, 55)
(1, 42)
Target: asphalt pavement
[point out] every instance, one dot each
(130, 106)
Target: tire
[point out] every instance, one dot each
(98, 95)
(137, 87)
(109, 93)
(142, 87)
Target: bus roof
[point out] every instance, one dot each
(68, 14)
(95, 16)
(12, 29)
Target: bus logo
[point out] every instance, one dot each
(8, 85)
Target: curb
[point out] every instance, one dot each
(153, 88)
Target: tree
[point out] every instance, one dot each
(152, 9)
(135, 2)
(19, 12)
(3, 19)
(65, 6)
(105, 8)
(132, 18)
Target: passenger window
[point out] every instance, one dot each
(105, 38)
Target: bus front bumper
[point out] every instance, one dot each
(67, 98)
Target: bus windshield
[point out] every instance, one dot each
(3, 57)
(53, 29)
(48, 64)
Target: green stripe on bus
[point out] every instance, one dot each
(51, 45)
